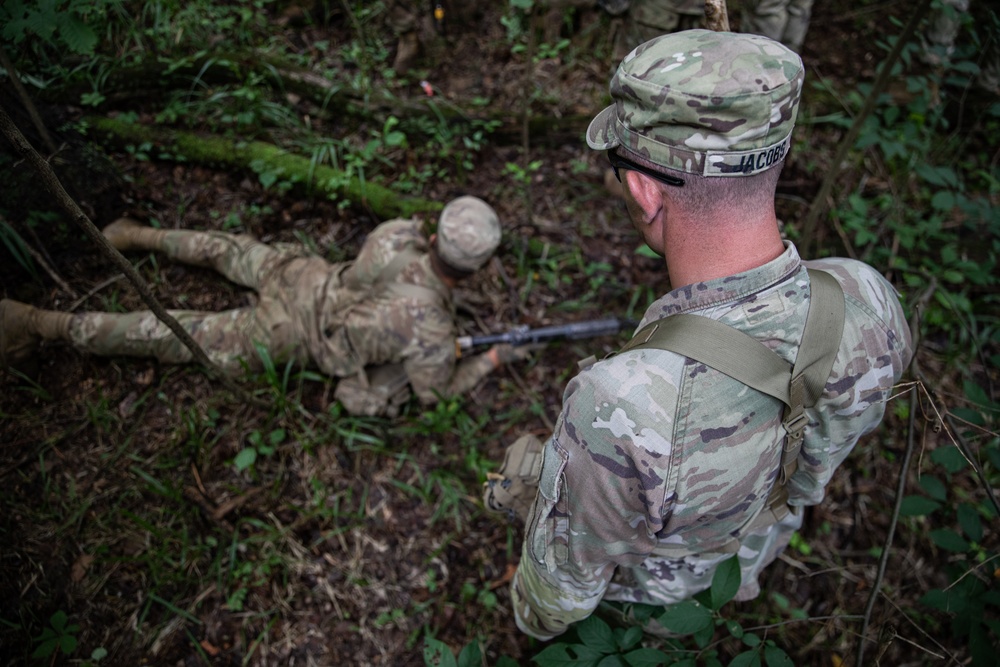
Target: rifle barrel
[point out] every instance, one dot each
(525, 336)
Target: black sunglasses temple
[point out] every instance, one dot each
(617, 160)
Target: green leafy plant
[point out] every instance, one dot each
(546, 50)
(971, 600)
(438, 654)
(482, 596)
(18, 249)
(522, 174)
(514, 21)
(59, 637)
(258, 445)
(56, 23)
(601, 644)
(935, 220)
(98, 654)
(447, 415)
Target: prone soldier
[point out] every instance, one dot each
(378, 323)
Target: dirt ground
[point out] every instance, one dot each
(122, 506)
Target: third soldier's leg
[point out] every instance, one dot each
(942, 30)
(764, 17)
(799, 13)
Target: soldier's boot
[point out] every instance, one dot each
(127, 234)
(22, 328)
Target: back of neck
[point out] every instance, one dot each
(705, 251)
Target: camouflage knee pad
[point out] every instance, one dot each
(511, 490)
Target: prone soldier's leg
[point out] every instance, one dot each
(239, 258)
(227, 337)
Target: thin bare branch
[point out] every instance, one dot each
(716, 15)
(904, 468)
(40, 259)
(52, 184)
(36, 119)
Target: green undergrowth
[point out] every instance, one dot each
(173, 508)
(236, 503)
(235, 91)
(933, 221)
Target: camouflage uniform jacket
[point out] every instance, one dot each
(654, 451)
(355, 324)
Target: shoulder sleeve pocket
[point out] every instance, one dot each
(549, 523)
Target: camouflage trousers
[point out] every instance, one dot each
(692, 574)
(944, 24)
(647, 19)
(938, 42)
(784, 21)
(285, 279)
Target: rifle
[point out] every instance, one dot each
(523, 335)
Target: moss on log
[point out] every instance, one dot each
(265, 158)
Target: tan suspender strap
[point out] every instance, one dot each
(721, 347)
(822, 335)
(746, 359)
(818, 349)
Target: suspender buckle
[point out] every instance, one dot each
(796, 424)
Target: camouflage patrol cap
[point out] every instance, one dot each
(468, 233)
(703, 102)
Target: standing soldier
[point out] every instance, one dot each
(665, 463)
(939, 38)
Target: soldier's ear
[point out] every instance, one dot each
(646, 193)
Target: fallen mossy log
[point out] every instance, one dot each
(262, 157)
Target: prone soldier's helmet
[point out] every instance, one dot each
(468, 233)
(703, 102)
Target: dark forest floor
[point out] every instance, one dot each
(356, 537)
